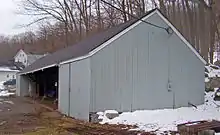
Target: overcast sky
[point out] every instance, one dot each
(10, 20)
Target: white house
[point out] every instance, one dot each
(7, 74)
(8, 71)
(26, 58)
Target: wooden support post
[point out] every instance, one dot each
(44, 85)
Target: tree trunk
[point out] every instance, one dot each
(162, 7)
(190, 26)
(124, 11)
(212, 37)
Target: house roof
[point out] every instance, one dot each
(86, 46)
(29, 53)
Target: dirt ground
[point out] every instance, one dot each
(19, 116)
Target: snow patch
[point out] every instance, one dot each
(9, 102)
(103, 115)
(100, 113)
(192, 124)
(6, 93)
(2, 87)
(7, 69)
(168, 119)
(2, 123)
(212, 72)
(111, 111)
(207, 79)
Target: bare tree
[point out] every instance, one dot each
(56, 10)
(198, 20)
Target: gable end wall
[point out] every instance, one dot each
(132, 72)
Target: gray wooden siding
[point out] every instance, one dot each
(23, 85)
(186, 74)
(18, 89)
(185, 71)
(80, 89)
(74, 99)
(63, 104)
(133, 71)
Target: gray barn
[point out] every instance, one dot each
(130, 67)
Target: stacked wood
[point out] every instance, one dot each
(199, 128)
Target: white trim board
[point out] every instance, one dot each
(128, 29)
(53, 65)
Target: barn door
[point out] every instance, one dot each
(80, 90)
(63, 91)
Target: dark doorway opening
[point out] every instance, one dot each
(46, 86)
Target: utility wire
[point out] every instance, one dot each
(167, 29)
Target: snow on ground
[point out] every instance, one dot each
(9, 102)
(6, 93)
(3, 92)
(2, 85)
(207, 79)
(110, 111)
(168, 119)
(212, 71)
(7, 69)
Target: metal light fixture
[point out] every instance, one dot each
(169, 30)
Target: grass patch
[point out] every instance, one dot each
(46, 131)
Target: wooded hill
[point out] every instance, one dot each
(65, 22)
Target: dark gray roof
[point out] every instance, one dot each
(80, 49)
(33, 57)
(28, 52)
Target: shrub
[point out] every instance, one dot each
(209, 90)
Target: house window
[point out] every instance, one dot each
(7, 76)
